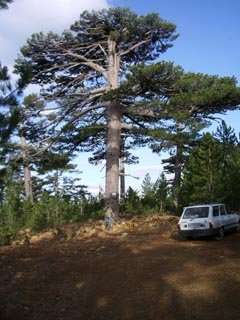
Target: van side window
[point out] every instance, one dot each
(216, 211)
(222, 211)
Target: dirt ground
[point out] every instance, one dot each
(138, 276)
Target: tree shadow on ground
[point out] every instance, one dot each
(136, 278)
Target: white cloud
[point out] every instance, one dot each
(25, 17)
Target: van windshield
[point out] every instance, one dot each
(196, 212)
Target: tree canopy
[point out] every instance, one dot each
(4, 4)
(80, 68)
(103, 78)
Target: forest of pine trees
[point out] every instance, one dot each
(105, 89)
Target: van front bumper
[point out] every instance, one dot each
(197, 233)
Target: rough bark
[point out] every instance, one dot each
(27, 171)
(113, 116)
(112, 160)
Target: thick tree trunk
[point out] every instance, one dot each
(113, 115)
(27, 171)
(28, 183)
(112, 161)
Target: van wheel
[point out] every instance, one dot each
(220, 234)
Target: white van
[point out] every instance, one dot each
(207, 220)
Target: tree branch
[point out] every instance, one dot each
(134, 121)
(135, 46)
(87, 62)
(53, 140)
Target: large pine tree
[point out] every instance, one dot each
(82, 68)
(191, 107)
(101, 73)
(178, 140)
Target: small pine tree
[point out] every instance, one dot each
(230, 165)
(202, 177)
(226, 136)
(147, 185)
(161, 192)
(132, 203)
(148, 193)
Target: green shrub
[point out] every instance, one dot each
(7, 235)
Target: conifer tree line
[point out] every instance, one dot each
(209, 174)
(105, 89)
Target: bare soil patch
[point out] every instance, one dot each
(144, 274)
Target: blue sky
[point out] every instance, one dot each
(209, 32)
(208, 42)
